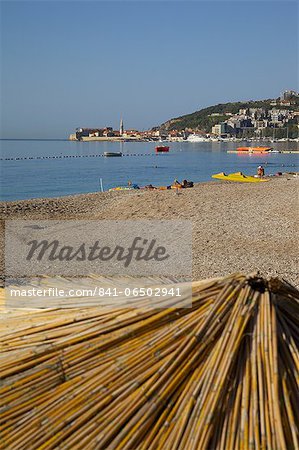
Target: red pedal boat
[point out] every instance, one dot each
(162, 149)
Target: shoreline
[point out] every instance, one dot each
(4, 203)
(237, 227)
(37, 199)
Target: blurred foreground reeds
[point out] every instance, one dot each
(222, 374)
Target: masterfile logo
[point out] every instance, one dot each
(80, 247)
(140, 249)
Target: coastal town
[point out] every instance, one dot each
(278, 122)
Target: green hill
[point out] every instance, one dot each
(202, 119)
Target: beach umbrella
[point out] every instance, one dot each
(222, 373)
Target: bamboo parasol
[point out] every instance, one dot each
(222, 374)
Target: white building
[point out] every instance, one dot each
(219, 128)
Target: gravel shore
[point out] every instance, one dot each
(236, 226)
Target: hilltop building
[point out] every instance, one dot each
(288, 94)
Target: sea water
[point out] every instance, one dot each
(72, 172)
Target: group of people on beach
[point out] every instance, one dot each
(176, 185)
(184, 184)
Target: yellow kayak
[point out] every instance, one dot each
(238, 177)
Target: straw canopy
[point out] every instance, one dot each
(222, 374)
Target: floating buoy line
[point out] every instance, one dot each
(24, 158)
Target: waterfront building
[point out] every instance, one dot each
(219, 128)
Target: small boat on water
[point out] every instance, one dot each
(162, 149)
(197, 138)
(111, 154)
(254, 149)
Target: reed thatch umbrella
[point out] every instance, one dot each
(222, 374)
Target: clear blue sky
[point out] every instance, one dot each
(79, 63)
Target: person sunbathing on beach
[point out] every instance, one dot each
(183, 184)
(177, 183)
(133, 185)
(187, 184)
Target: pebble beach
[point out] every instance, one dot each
(237, 227)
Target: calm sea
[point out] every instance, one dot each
(32, 178)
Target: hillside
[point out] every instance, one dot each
(202, 119)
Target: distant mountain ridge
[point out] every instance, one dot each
(204, 119)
